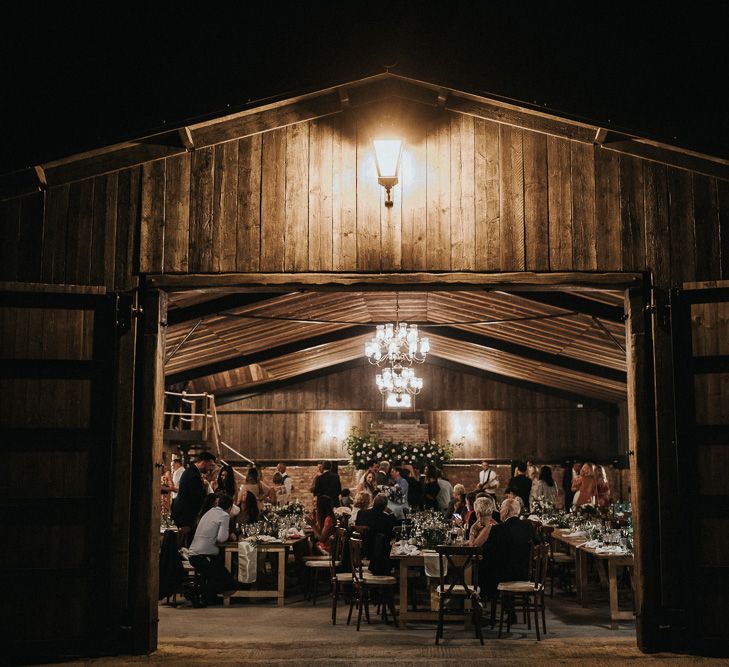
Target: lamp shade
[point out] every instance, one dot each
(387, 157)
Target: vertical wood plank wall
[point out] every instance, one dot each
(474, 194)
(311, 419)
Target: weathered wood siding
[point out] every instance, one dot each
(474, 194)
(310, 419)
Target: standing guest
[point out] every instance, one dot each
(166, 489)
(604, 497)
(345, 498)
(488, 480)
(521, 484)
(323, 523)
(483, 509)
(545, 487)
(280, 492)
(584, 486)
(396, 476)
(431, 488)
(507, 549)
(287, 481)
(361, 502)
(415, 487)
(368, 484)
(383, 476)
(254, 485)
(225, 481)
(317, 474)
(374, 469)
(204, 554)
(190, 495)
(571, 470)
(328, 484)
(445, 492)
(177, 470)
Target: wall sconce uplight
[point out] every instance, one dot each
(387, 159)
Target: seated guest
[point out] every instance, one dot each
(249, 512)
(361, 502)
(483, 509)
(507, 549)
(380, 535)
(281, 492)
(345, 498)
(457, 504)
(213, 530)
(225, 481)
(469, 518)
(323, 523)
(521, 484)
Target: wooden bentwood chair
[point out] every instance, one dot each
(455, 562)
(363, 581)
(526, 596)
(330, 563)
(340, 580)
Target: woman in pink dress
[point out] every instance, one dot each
(584, 486)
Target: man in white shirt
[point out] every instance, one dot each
(287, 482)
(177, 471)
(445, 493)
(212, 530)
(488, 480)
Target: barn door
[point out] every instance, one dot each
(701, 360)
(65, 471)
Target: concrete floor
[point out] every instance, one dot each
(258, 633)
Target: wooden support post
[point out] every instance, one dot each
(147, 469)
(643, 469)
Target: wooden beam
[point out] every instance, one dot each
(222, 398)
(268, 353)
(215, 306)
(531, 353)
(603, 406)
(416, 281)
(577, 304)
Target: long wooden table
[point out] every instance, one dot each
(576, 546)
(281, 549)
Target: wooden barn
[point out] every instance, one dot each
(572, 281)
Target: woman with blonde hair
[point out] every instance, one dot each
(604, 497)
(361, 502)
(484, 508)
(585, 486)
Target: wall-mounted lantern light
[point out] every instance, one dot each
(387, 158)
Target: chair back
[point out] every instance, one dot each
(456, 561)
(355, 555)
(362, 532)
(538, 564)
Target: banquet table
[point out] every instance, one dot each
(577, 547)
(406, 562)
(281, 549)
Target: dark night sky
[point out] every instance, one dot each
(76, 78)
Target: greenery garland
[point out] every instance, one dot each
(364, 450)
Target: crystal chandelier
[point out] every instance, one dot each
(397, 343)
(398, 380)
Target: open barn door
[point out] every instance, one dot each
(66, 381)
(701, 359)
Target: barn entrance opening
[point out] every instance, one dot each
(275, 376)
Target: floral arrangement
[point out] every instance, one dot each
(542, 507)
(393, 492)
(364, 450)
(586, 510)
(430, 529)
(293, 509)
